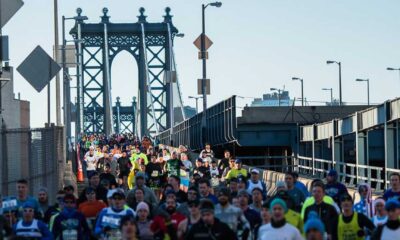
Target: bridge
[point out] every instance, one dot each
(361, 142)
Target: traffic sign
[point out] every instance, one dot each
(200, 86)
(7, 10)
(208, 42)
(38, 68)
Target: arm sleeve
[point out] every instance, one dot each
(45, 231)
(376, 235)
(365, 222)
(99, 229)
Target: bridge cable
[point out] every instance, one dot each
(148, 80)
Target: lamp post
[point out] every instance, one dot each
(66, 82)
(393, 69)
(340, 79)
(365, 80)
(329, 89)
(279, 94)
(197, 102)
(204, 59)
(302, 89)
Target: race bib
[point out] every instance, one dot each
(154, 173)
(111, 222)
(114, 235)
(70, 234)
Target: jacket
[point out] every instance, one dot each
(218, 231)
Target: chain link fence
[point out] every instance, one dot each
(36, 155)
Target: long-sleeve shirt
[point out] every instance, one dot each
(327, 213)
(70, 224)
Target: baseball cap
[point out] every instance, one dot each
(118, 192)
(392, 204)
(255, 170)
(28, 204)
(238, 161)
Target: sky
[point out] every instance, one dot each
(258, 45)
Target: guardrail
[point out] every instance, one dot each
(221, 125)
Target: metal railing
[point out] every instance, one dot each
(36, 155)
(221, 127)
(350, 174)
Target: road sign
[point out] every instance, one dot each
(70, 56)
(38, 68)
(7, 10)
(200, 86)
(4, 48)
(5, 75)
(208, 42)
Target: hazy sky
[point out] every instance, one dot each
(258, 44)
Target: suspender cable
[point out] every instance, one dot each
(148, 80)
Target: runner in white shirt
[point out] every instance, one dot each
(91, 162)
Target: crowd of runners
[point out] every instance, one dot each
(139, 191)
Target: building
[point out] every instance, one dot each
(273, 99)
(16, 112)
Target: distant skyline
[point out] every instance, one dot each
(258, 45)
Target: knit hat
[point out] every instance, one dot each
(243, 193)
(314, 222)
(206, 206)
(332, 173)
(280, 202)
(379, 200)
(43, 189)
(224, 192)
(281, 184)
(142, 206)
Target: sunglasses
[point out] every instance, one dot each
(118, 198)
(69, 202)
(90, 193)
(28, 210)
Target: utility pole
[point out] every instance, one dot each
(56, 48)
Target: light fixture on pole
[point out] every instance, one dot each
(394, 69)
(365, 80)
(203, 54)
(197, 100)
(329, 89)
(279, 94)
(302, 88)
(340, 79)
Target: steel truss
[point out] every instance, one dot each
(100, 43)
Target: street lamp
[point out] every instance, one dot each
(197, 99)
(203, 57)
(329, 89)
(393, 69)
(340, 79)
(302, 89)
(365, 80)
(279, 94)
